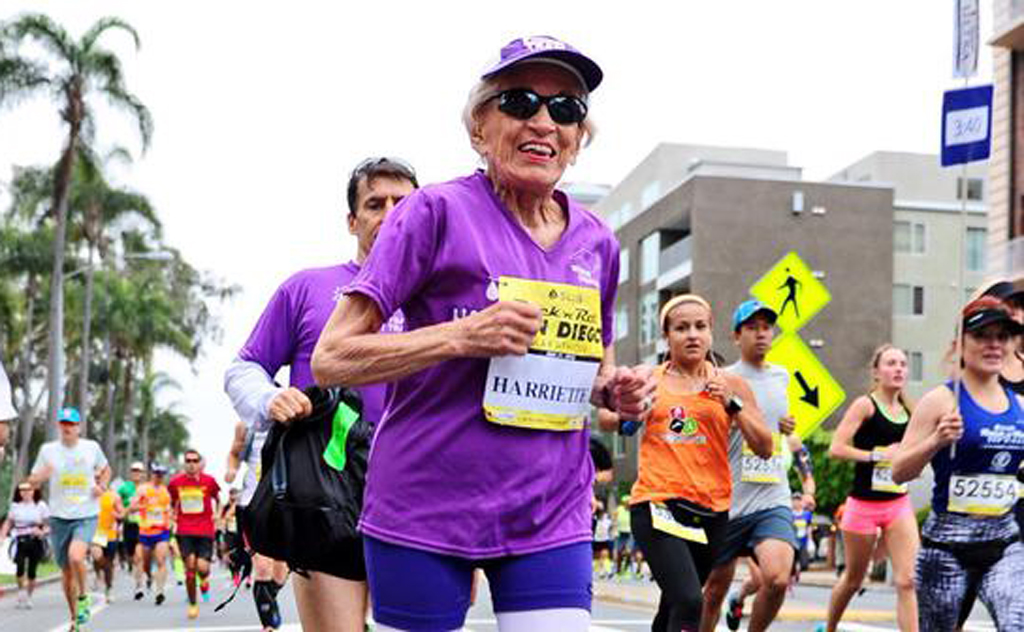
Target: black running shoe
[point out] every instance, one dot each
(160, 599)
(139, 595)
(734, 613)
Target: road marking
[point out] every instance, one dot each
(860, 627)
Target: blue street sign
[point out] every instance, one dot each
(966, 125)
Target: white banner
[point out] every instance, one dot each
(966, 38)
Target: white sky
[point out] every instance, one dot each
(262, 109)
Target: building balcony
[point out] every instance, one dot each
(675, 264)
(1009, 31)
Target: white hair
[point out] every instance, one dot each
(486, 89)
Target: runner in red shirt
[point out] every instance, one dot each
(195, 501)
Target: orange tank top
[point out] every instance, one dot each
(684, 452)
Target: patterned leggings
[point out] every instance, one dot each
(942, 582)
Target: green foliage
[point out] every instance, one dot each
(832, 477)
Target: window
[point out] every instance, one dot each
(650, 250)
(623, 265)
(908, 237)
(916, 362)
(650, 194)
(621, 322)
(975, 189)
(649, 318)
(976, 249)
(907, 300)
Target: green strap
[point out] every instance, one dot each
(344, 419)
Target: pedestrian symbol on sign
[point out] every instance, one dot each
(791, 285)
(793, 291)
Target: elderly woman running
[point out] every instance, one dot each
(508, 290)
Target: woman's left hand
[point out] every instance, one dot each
(718, 389)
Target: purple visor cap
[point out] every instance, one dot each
(545, 47)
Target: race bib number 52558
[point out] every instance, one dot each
(549, 387)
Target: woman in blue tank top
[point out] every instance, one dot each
(970, 540)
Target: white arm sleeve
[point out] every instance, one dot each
(250, 389)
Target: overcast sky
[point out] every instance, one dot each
(262, 109)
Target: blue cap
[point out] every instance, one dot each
(69, 414)
(749, 309)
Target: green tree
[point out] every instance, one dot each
(833, 477)
(72, 72)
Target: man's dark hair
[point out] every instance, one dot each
(192, 451)
(373, 168)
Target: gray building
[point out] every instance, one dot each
(714, 220)
(927, 239)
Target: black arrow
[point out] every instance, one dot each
(810, 394)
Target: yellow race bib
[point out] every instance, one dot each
(663, 520)
(549, 387)
(982, 494)
(192, 501)
(75, 488)
(881, 479)
(754, 469)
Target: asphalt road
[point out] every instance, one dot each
(50, 614)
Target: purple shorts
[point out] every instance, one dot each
(420, 590)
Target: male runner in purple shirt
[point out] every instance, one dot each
(286, 334)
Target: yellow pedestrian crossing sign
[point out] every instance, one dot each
(792, 290)
(813, 393)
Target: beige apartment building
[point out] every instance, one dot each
(929, 229)
(1006, 164)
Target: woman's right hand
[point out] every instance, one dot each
(289, 405)
(505, 328)
(949, 429)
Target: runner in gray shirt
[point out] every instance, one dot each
(760, 520)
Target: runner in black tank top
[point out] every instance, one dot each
(868, 435)
(876, 432)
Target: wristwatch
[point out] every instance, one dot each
(876, 456)
(734, 406)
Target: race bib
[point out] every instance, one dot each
(549, 387)
(75, 488)
(982, 494)
(100, 539)
(800, 525)
(663, 520)
(881, 479)
(232, 524)
(155, 517)
(192, 501)
(754, 469)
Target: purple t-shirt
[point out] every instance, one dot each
(290, 326)
(441, 477)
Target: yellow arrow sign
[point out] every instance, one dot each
(791, 289)
(813, 392)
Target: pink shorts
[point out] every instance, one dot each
(868, 516)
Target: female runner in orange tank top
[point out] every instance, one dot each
(680, 502)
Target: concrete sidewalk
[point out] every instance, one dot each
(645, 594)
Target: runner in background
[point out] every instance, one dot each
(971, 540)
(105, 542)
(624, 537)
(195, 501)
(603, 568)
(802, 521)
(28, 522)
(681, 498)
(760, 522)
(130, 525)
(232, 541)
(869, 435)
(268, 575)
(153, 502)
(77, 471)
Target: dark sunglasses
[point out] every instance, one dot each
(523, 104)
(191, 460)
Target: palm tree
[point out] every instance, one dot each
(97, 206)
(77, 70)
